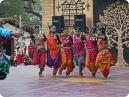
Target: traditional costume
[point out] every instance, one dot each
(67, 54)
(91, 45)
(53, 50)
(105, 58)
(12, 60)
(80, 50)
(20, 50)
(4, 59)
(38, 51)
(31, 48)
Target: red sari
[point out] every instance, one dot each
(19, 56)
(67, 55)
(39, 54)
(105, 58)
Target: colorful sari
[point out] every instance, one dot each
(53, 53)
(20, 51)
(20, 56)
(80, 53)
(4, 65)
(67, 55)
(38, 52)
(4, 59)
(105, 58)
(91, 54)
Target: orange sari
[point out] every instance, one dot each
(53, 53)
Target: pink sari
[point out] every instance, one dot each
(80, 52)
(92, 50)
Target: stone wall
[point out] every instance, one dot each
(48, 12)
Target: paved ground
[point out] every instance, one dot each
(23, 81)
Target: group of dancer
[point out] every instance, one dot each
(91, 51)
(85, 51)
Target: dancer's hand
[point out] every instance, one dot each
(16, 35)
(44, 51)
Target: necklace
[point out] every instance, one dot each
(78, 37)
(52, 35)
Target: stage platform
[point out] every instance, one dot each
(23, 81)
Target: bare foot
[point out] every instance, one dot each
(80, 74)
(60, 72)
(54, 74)
(41, 76)
(104, 78)
(67, 75)
(93, 75)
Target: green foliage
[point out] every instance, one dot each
(37, 6)
(17, 7)
(11, 8)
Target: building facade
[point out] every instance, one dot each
(67, 8)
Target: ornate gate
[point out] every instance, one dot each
(69, 8)
(115, 15)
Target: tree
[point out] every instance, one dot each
(9, 8)
(116, 17)
(34, 7)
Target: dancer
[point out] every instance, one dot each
(105, 58)
(53, 50)
(4, 59)
(80, 50)
(20, 45)
(91, 45)
(39, 52)
(31, 48)
(30, 52)
(67, 53)
(12, 60)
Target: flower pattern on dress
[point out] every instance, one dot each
(68, 49)
(79, 46)
(92, 50)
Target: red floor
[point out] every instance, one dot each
(23, 81)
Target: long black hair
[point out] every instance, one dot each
(36, 27)
(78, 29)
(93, 29)
(63, 29)
(51, 26)
(103, 29)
